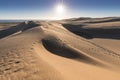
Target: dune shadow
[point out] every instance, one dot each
(78, 30)
(89, 33)
(20, 27)
(59, 49)
(65, 51)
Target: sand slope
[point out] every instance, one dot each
(40, 50)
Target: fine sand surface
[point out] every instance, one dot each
(71, 49)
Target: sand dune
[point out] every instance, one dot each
(60, 50)
(94, 20)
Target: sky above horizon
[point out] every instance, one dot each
(45, 9)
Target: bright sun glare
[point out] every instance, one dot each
(60, 9)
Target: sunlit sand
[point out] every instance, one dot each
(70, 49)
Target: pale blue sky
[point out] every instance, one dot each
(44, 9)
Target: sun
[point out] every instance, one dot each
(60, 9)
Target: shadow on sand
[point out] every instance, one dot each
(89, 33)
(20, 27)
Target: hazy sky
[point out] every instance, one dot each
(45, 9)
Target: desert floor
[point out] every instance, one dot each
(71, 49)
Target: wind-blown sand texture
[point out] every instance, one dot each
(71, 49)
